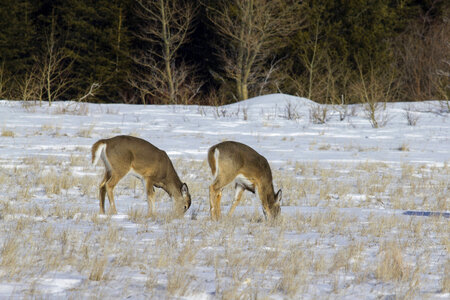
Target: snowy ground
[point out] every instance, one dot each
(365, 210)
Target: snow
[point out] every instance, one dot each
(346, 185)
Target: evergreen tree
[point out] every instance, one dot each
(17, 35)
(96, 38)
(351, 34)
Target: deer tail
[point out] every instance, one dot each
(97, 149)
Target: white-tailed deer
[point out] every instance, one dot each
(126, 154)
(250, 171)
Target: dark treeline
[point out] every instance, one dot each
(222, 51)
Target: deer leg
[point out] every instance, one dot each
(110, 184)
(215, 195)
(217, 204)
(102, 192)
(212, 201)
(237, 198)
(150, 197)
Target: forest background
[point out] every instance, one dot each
(222, 51)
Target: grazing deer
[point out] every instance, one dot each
(250, 171)
(125, 154)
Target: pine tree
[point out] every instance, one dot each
(96, 38)
(17, 38)
(351, 34)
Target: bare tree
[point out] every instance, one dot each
(166, 26)
(49, 78)
(374, 89)
(53, 69)
(55, 73)
(311, 56)
(337, 81)
(423, 55)
(29, 85)
(3, 80)
(252, 31)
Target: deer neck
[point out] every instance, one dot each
(173, 186)
(267, 194)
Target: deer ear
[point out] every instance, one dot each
(278, 196)
(184, 190)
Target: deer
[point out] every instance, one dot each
(126, 154)
(233, 161)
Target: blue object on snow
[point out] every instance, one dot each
(426, 213)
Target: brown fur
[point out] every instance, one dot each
(126, 153)
(238, 159)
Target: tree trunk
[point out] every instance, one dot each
(119, 29)
(166, 54)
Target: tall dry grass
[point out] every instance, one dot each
(318, 239)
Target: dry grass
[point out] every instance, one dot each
(57, 228)
(294, 270)
(403, 147)
(9, 252)
(71, 108)
(86, 132)
(446, 279)
(319, 114)
(391, 263)
(79, 161)
(137, 215)
(411, 117)
(55, 182)
(7, 133)
(98, 267)
(178, 282)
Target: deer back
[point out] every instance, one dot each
(235, 158)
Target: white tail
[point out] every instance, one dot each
(233, 161)
(124, 154)
(216, 164)
(98, 152)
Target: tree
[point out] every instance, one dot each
(166, 26)
(339, 33)
(422, 54)
(17, 34)
(97, 40)
(53, 68)
(252, 30)
(17, 44)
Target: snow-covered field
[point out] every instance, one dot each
(365, 211)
